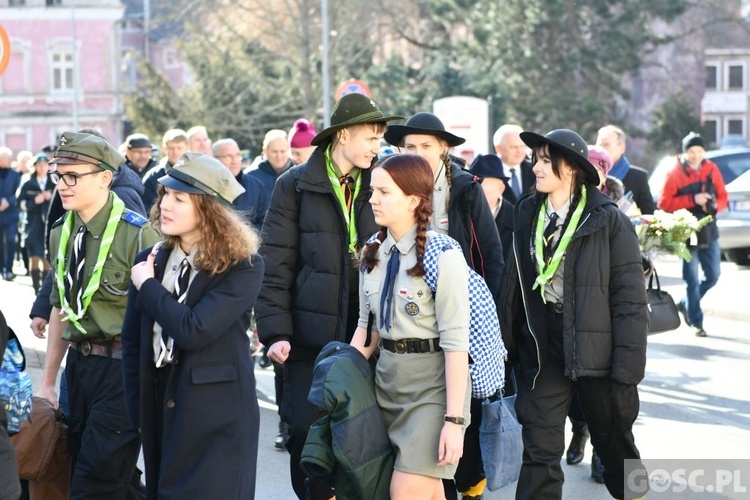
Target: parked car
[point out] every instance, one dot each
(734, 223)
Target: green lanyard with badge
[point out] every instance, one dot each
(118, 207)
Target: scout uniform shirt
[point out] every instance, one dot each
(416, 312)
(104, 316)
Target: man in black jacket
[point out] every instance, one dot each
(317, 221)
(513, 154)
(635, 179)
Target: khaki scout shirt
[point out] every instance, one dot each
(105, 314)
(440, 203)
(417, 313)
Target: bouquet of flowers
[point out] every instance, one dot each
(668, 232)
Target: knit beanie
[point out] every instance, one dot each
(599, 158)
(692, 139)
(301, 134)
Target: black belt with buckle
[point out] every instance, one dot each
(112, 349)
(555, 307)
(411, 346)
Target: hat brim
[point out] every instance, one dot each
(326, 133)
(590, 174)
(178, 185)
(396, 133)
(61, 160)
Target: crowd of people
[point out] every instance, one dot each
(151, 278)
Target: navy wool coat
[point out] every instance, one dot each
(211, 417)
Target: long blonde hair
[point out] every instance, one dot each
(226, 238)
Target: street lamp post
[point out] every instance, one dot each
(326, 73)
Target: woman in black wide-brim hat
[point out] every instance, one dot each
(462, 212)
(575, 308)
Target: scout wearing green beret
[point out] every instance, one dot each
(93, 247)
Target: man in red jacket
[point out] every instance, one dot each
(696, 185)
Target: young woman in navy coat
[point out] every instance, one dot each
(189, 381)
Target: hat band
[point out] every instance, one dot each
(77, 156)
(192, 181)
(371, 117)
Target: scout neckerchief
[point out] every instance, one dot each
(107, 237)
(338, 191)
(547, 270)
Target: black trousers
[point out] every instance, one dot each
(609, 408)
(300, 414)
(103, 446)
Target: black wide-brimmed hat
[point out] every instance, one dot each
(568, 141)
(422, 124)
(353, 109)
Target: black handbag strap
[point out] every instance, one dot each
(370, 321)
(651, 281)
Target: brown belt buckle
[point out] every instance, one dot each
(399, 346)
(85, 348)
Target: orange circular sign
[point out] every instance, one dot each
(352, 86)
(4, 50)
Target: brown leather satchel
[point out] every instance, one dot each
(42, 449)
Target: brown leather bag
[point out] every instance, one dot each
(42, 449)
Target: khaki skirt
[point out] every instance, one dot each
(410, 390)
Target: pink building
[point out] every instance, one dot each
(64, 70)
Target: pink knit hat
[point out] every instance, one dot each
(599, 158)
(301, 134)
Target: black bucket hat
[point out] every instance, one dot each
(423, 124)
(488, 166)
(353, 109)
(570, 142)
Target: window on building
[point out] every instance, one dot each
(711, 77)
(735, 77)
(16, 3)
(170, 58)
(52, 3)
(711, 130)
(62, 70)
(735, 127)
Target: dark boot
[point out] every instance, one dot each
(597, 468)
(36, 280)
(280, 442)
(577, 443)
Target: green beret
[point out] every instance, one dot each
(75, 148)
(202, 174)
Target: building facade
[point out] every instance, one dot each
(63, 72)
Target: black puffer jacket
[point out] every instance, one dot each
(470, 222)
(306, 288)
(604, 305)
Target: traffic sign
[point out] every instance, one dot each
(352, 86)
(4, 50)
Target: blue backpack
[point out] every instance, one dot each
(15, 385)
(486, 346)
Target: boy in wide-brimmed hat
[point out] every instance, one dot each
(461, 211)
(317, 221)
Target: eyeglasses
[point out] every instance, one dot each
(69, 178)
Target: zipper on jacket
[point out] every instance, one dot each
(573, 375)
(528, 323)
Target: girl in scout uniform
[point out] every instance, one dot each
(576, 307)
(189, 381)
(422, 374)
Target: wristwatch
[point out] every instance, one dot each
(455, 420)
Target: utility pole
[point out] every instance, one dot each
(76, 69)
(326, 71)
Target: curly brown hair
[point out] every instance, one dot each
(413, 175)
(226, 238)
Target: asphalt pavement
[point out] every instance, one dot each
(695, 400)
